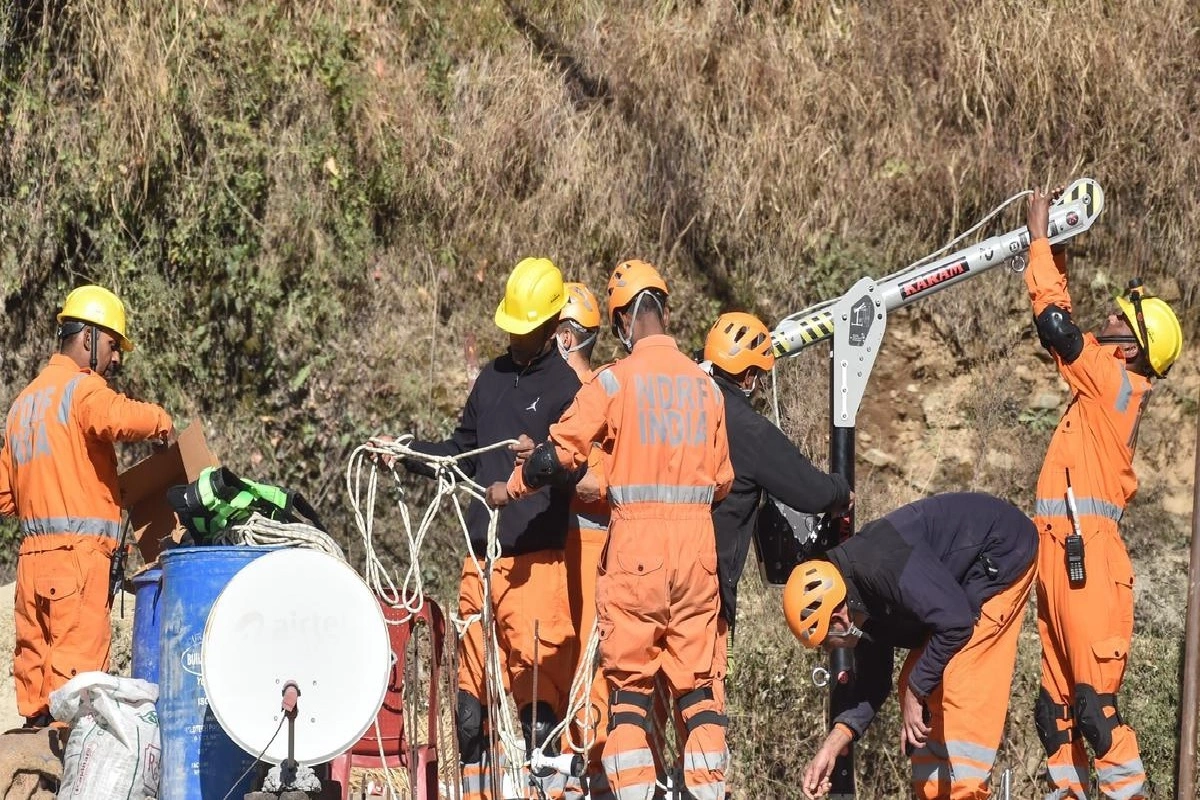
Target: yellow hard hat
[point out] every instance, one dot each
(629, 279)
(534, 294)
(1162, 328)
(581, 306)
(814, 590)
(737, 342)
(97, 306)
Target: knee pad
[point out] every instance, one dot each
(694, 719)
(1090, 718)
(1046, 714)
(538, 734)
(470, 728)
(1058, 333)
(642, 704)
(542, 468)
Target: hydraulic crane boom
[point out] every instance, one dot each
(1073, 214)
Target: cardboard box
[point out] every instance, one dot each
(144, 488)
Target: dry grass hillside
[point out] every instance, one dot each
(311, 208)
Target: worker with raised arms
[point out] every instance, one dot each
(1085, 577)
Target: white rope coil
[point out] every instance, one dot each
(261, 531)
(452, 483)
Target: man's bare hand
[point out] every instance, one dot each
(1038, 215)
(522, 448)
(588, 489)
(816, 781)
(846, 508)
(382, 458)
(166, 438)
(497, 495)
(913, 730)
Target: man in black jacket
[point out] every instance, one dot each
(764, 460)
(521, 392)
(947, 577)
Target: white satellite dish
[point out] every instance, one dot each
(303, 616)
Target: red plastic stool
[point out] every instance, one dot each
(421, 760)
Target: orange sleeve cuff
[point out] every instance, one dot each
(516, 485)
(846, 729)
(1040, 248)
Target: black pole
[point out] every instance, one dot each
(841, 659)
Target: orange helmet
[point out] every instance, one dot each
(813, 591)
(581, 307)
(628, 280)
(738, 341)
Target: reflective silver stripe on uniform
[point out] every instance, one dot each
(929, 763)
(658, 493)
(475, 780)
(585, 521)
(1113, 774)
(82, 526)
(609, 382)
(1088, 507)
(640, 759)
(972, 751)
(714, 790)
(1125, 393)
(598, 788)
(64, 404)
(968, 772)
(1067, 778)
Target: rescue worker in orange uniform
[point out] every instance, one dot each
(587, 533)
(1084, 651)
(661, 421)
(947, 578)
(58, 474)
(522, 391)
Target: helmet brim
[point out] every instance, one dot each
(518, 326)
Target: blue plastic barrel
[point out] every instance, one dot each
(147, 591)
(199, 760)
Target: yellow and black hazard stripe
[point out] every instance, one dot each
(814, 328)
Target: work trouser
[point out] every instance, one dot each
(585, 547)
(658, 607)
(61, 615)
(667, 717)
(526, 589)
(967, 709)
(1085, 634)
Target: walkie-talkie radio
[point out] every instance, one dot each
(1076, 573)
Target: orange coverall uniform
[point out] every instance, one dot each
(661, 421)
(1086, 630)
(58, 474)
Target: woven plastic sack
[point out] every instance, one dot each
(114, 749)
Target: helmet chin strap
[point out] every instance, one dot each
(566, 351)
(92, 361)
(627, 337)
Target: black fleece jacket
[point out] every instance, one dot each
(764, 460)
(506, 401)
